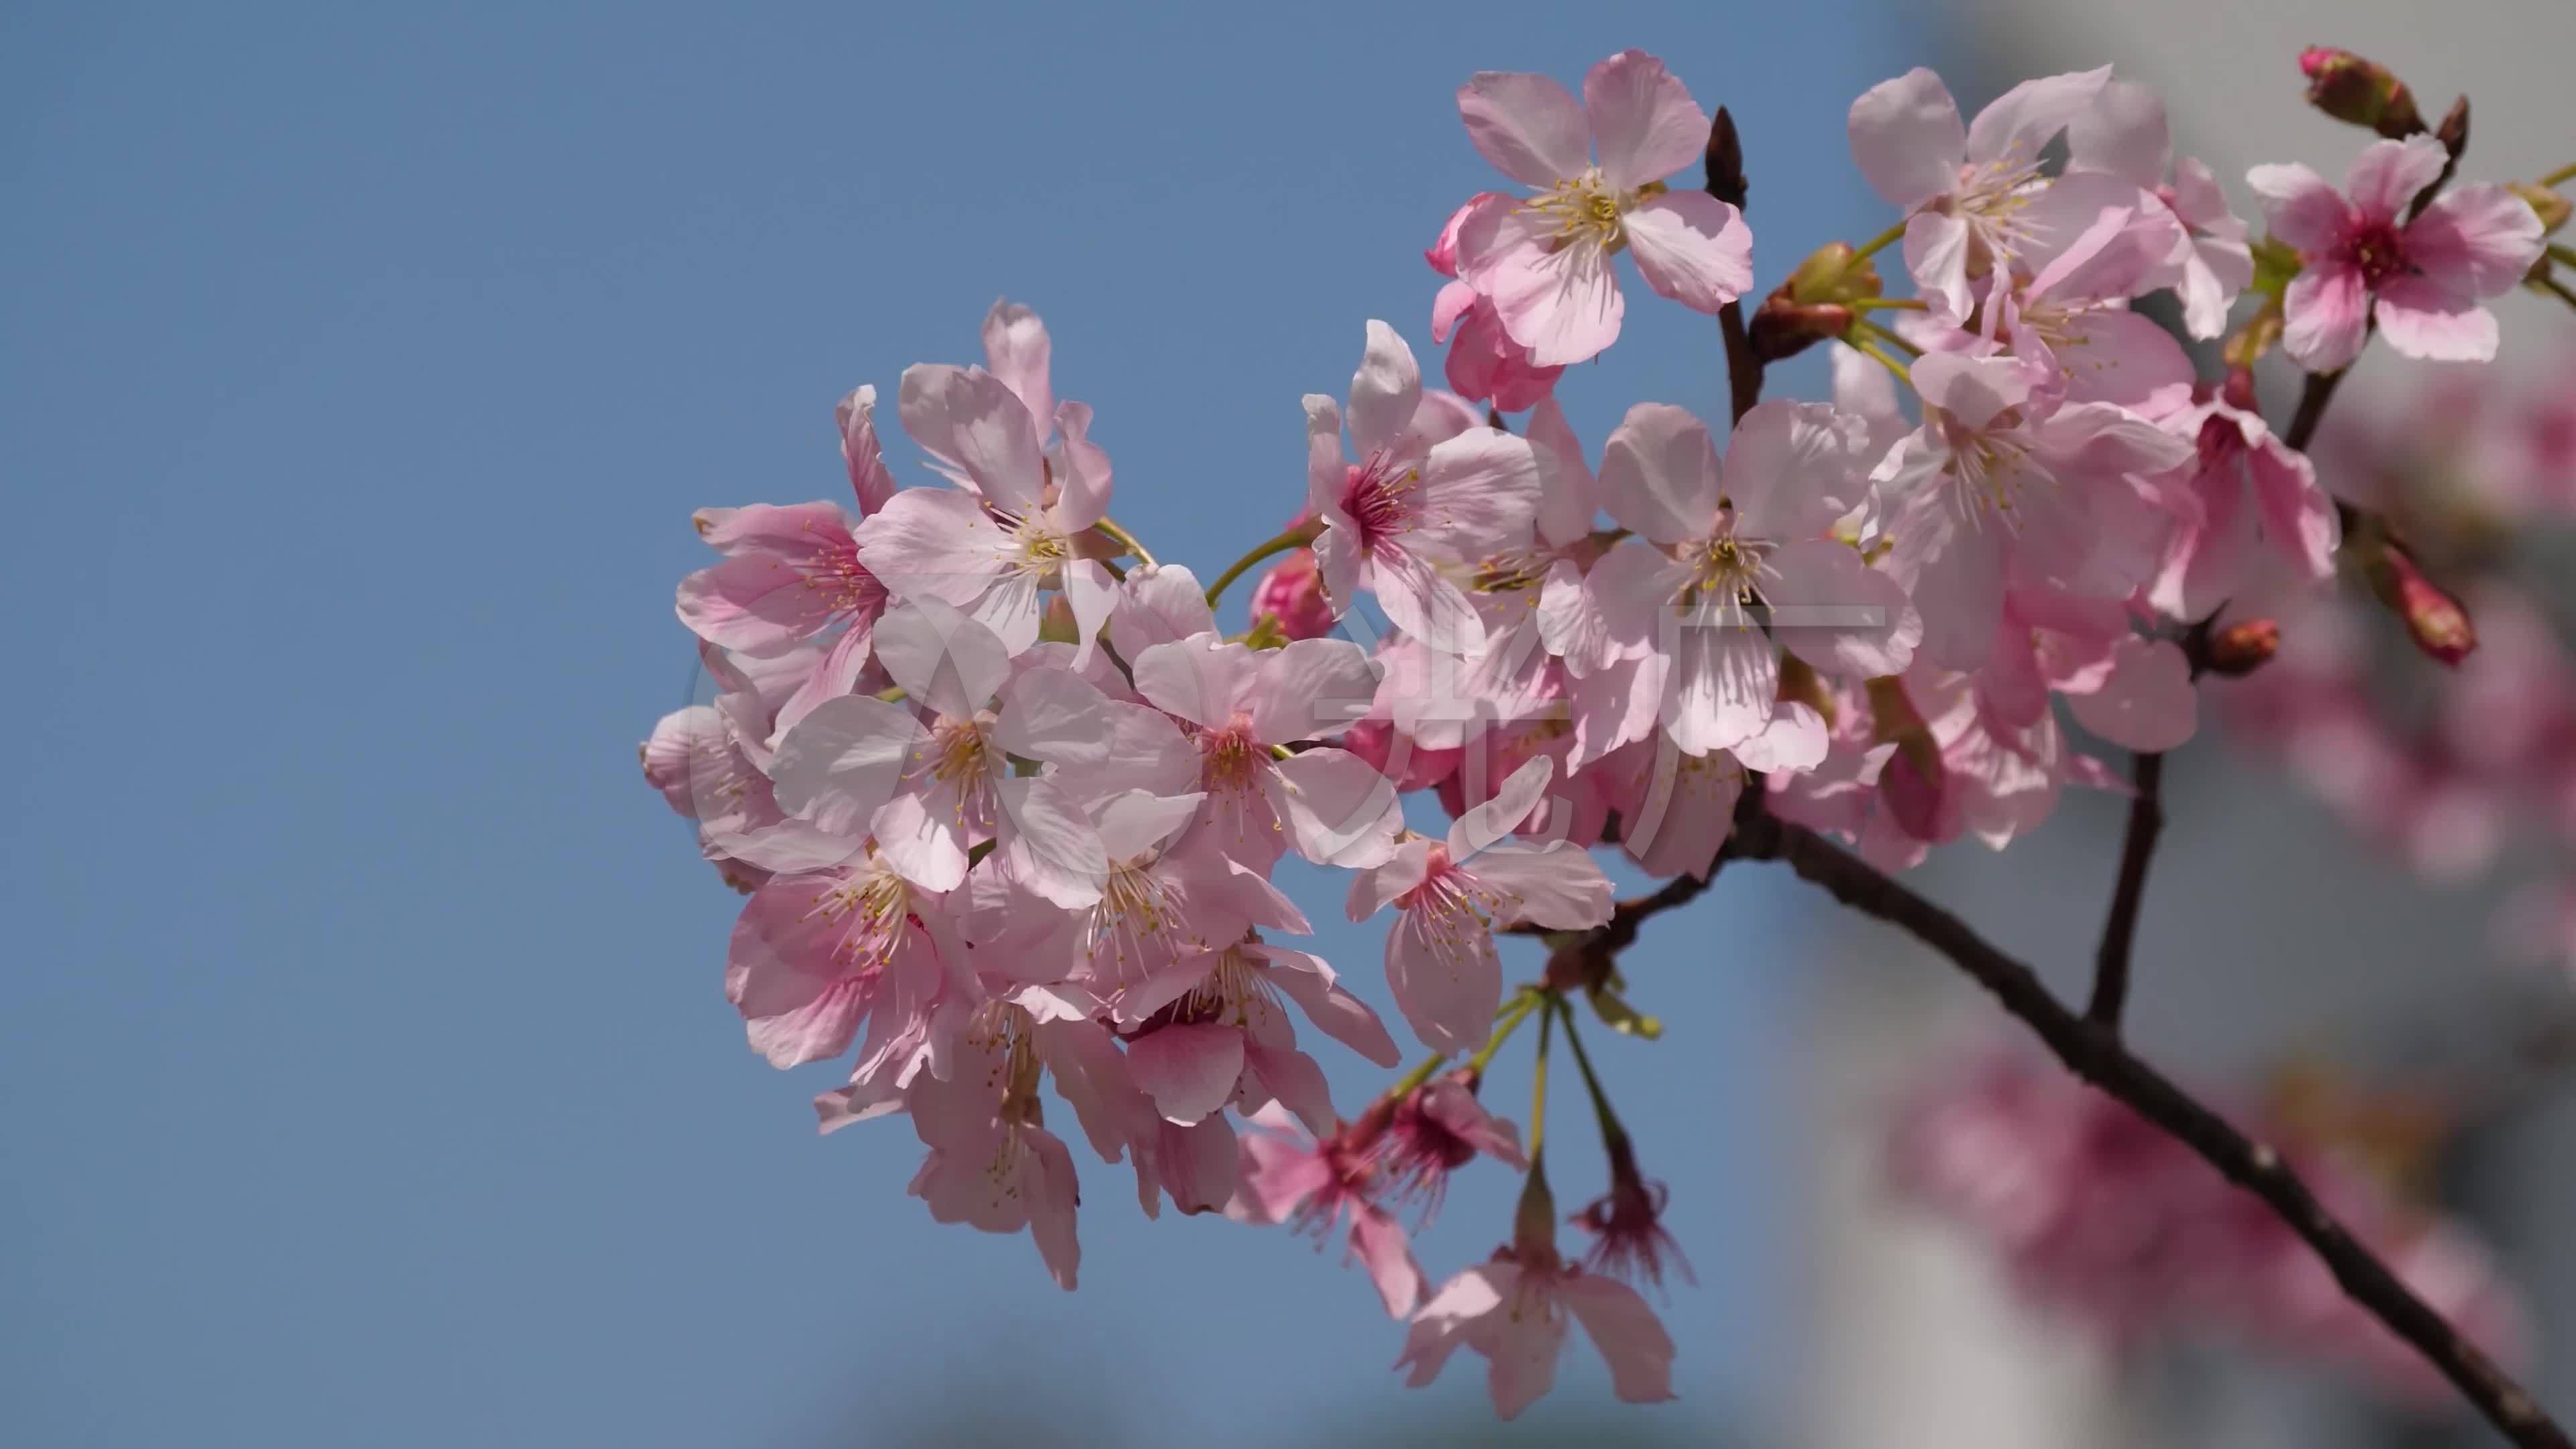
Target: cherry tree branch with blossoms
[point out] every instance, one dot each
(1007, 808)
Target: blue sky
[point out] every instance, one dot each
(368, 1079)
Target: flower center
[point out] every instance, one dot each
(1382, 499)
(1133, 922)
(1726, 579)
(1230, 759)
(2378, 250)
(1986, 466)
(876, 904)
(1587, 212)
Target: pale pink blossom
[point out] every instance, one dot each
(992, 1164)
(1515, 1314)
(814, 954)
(1020, 521)
(2123, 133)
(1418, 508)
(930, 789)
(1992, 492)
(2257, 510)
(1450, 894)
(1243, 709)
(2362, 261)
(1212, 1031)
(1719, 554)
(1976, 198)
(2071, 326)
(1545, 263)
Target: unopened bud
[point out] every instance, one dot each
(2453, 133)
(2552, 206)
(1725, 158)
(2240, 649)
(2434, 620)
(1056, 625)
(2237, 390)
(2359, 92)
(1293, 592)
(1833, 273)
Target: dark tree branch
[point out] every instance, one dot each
(2119, 932)
(2093, 1051)
(1726, 182)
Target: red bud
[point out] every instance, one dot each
(2434, 620)
(2359, 92)
(2240, 649)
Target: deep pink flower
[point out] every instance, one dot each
(1314, 1185)
(2360, 260)
(1292, 591)
(1545, 263)
(1484, 362)
(1436, 1129)
(2258, 511)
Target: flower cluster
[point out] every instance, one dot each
(1007, 800)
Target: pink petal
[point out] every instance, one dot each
(2301, 208)
(1681, 810)
(1643, 121)
(1016, 350)
(2386, 176)
(2148, 703)
(861, 450)
(1529, 126)
(1420, 600)
(1384, 392)
(1203, 679)
(1050, 845)
(1497, 817)
(1789, 471)
(1907, 138)
(1189, 1071)
(973, 418)
(2422, 318)
(1659, 474)
(1338, 808)
(1158, 604)
(2477, 240)
(1053, 715)
(1936, 256)
(1725, 681)
(932, 542)
(1833, 610)
(1307, 981)
(1562, 304)
(1693, 248)
(1379, 1243)
(2325, 316)
(1479, 492)
(1446, 978)
(1309, 689)
(757, 603)
(843, 761)
(2123, 132)
(2022, 121)
(941, 657)
(1294, 1081)
(1560, 887)
(1631, 1339)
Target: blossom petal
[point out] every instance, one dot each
(1051, 846)
(2386, 176)
(1446, 977)
(1016, 350)
(1385, 392)
(1562, 303)
(2479, 240)
(1530, 126)
(2325, 316)
(1908, 139)
(941, 657)
(1788, 470)
(1309, 689)
(1830, 608)
(844, 760)
(1631, 1339)
(1339, 810)
(1659, 474)
(1189, 1071)
(971, 417)
(2422, 318)
(1202, 679)
(2302, 208)
(1644, 121)
(1725, 680)
(1560, 887)
(1693, 248)
(2021, 122)
(1307, 981)
(1479, 492)
(2124, 133)
(2147, 703)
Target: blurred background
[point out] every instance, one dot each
(367, 1074)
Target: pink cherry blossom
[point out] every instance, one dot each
(814, 954)
(992, 1164)
(1436, 1129)
(1719, 553)
(2124, 133)
(2071, 324)
(1243, 709)
(929, 790)
(1450, 894)
(2257, 508)
(1975, 195)
(1514, 1314)
(2361, 260)
(1407, 519)
(1992, 491)
(1545, 263)
(1018, 523)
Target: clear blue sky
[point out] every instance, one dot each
(365, 1071)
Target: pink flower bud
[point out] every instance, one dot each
(2240, 649)
(1293, 593)
(2434, 620)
